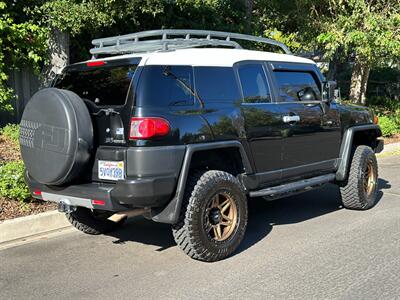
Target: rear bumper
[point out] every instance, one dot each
(123, 195)
(151, 177)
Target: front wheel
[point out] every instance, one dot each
(214, 216)
(361, 189)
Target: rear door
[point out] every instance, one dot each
(311, 135)
(106, 87)
(262, 120)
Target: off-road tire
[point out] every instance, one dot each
(86, 221)
(190, 233)
(353, 191)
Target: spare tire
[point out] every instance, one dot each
(56, 136)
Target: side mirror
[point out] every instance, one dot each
(306, 94)
(328, 91)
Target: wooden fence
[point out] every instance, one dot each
(24, 83)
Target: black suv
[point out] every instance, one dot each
(185, 130)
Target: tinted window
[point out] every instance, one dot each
(165, 85)
(216, 84)
(297, 86)
(103, 86)
(254, 83)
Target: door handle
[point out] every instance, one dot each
(291, 119)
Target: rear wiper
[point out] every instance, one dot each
(167, 72)
(57, 79)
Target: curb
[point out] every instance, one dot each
(390, 149)
(25, 227)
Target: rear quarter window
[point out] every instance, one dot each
(216, 84)
(165, 86)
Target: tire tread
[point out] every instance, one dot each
(184, 232)
(352, 191)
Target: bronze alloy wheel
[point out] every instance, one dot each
(360, 191)
(214, 218)
(221, 217)
(370, 179)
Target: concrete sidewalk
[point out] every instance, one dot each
(20, 228)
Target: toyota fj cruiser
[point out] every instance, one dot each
(183, 127)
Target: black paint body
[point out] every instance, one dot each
(272, 151)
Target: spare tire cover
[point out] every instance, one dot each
(56, 136)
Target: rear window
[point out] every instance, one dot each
(104, 86)
(216, 84)
(165, 86)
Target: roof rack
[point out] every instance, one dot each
(171, 39)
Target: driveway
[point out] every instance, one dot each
(305, 246)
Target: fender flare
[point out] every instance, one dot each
(170, 214)
(346, 148)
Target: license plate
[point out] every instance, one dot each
(111, 170)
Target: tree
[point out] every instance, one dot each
(366, 31)
(116, 17)
(71, 18)
(21, 43)
(286, 21)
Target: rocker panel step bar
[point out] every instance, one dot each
(293, 186)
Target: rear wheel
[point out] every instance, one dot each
(92, 221)
(361, 189)
(213, 218)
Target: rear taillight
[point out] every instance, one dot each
(146, 128)
(37, 193)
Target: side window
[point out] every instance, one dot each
(216, 84)
(166, 86)
(254, 83)
(297, 86)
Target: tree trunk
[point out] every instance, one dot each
(333, 67)
(58, 56)
(364, 85)
(249, 13)
(359, 82)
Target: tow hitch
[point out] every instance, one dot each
(65, 206)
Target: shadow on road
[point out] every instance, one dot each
(263, 216)
(382, 185)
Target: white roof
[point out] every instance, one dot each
(210, 57)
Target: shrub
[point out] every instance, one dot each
(388, 125)
(11, 131)
(396, 116)
(12, 184)
(384, 103)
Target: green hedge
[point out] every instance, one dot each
(12, 184)
(390, 124)
(388, 111)
(11, 131)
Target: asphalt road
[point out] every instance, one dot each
(304, 246)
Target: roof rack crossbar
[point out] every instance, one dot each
(169, 39)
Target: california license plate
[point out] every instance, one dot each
(111, 170)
